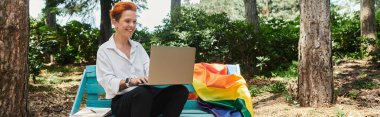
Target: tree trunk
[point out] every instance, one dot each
(175, 13)
(14, 36)
(51, 19)
(251, 13)
(105, 23)
(368, 25)
(315, 73)
(50, 14)
(175, 4)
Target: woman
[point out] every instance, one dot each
(122, 64)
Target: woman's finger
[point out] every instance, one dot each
(139, 81)
(145, 80)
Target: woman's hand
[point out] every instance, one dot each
(138, 80)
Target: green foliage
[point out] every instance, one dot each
(234, 9)
(277, 87)
(289, 97)
(347, 42)
(353, 94)
(197, 29)
(287, 72)
(255, 90)
(280, 9)
(366, 84)
(40, 45)
(77, 43)
(84, 9)
(218, 39)
(340, 113)
(345, 36)
(73, 43)
(262, 62)
(144, 37)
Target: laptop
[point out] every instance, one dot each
(171, 65)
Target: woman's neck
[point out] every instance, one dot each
(121, 40)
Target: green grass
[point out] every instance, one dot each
(56, 74)
(255, 90)
(340, 113)
(59, 69)
(353, 94)
(289, 72)
(50, 79)
(277, 88)
(366, 84)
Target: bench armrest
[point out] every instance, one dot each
(79, 96)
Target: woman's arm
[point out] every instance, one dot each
(105, 74)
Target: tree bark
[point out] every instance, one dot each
(51, 19)
(251, 13)
(175, 4)
(50, 14)
(368, 25)
(105, 23)
(174, 10)
(315, 73)
(14, 36)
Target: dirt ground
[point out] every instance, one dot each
(53, 98)
(357, 86)
(271, 105)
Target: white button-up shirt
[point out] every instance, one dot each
(112, 66)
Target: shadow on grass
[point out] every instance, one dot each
(41, 88)
(63, 69)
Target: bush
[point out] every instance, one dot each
(277, 87)
(73, 43)
(78, 43)
(346, 36)
(218, 39)
(41, 44)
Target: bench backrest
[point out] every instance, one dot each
(94, 91)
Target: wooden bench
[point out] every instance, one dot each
(94, 93)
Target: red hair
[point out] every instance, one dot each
(119, 7)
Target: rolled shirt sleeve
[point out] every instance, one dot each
(105, 75)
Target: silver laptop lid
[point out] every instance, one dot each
(171, 65)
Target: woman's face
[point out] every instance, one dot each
(126, 24)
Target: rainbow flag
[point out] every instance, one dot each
(214, 87)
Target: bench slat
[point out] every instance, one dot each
(194, 112)
(196, 115)
(79, 96)
(94, 89)
(92, 80)
(91, 71)
(191, 105)
(99, 103)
